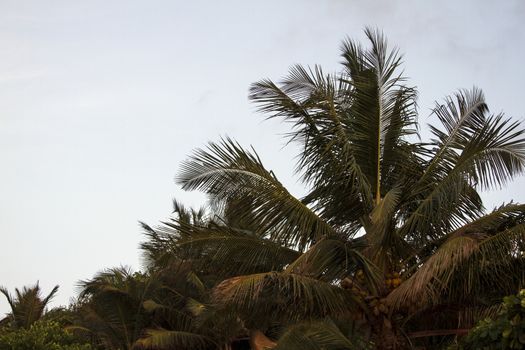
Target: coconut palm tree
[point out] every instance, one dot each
(392, 236)
(27, 306)
(110, 307)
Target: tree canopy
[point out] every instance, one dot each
(390, 248)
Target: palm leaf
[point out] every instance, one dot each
(332, 260)
(474, 150)
(487, 243)
(311, 101)
(316, 336)
(271, 295)
(381, 112)
(234, 252)
(228, 172)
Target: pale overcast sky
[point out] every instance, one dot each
(100, 101)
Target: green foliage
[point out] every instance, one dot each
(42, 335)
(506, 331)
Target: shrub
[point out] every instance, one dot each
(42, 335)
(506, 331)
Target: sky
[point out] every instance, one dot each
(100, 101)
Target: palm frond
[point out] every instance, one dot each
(483, 249)
(271, 295)
(332, 260)
(316, 335)
(426, 285)
(311, 101)
(227, 171)
(474, 150)
(381, 110)
(234, 252)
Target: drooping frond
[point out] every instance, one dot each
(271, 295)
(487, 248)
(461, 116)
(495, 153)
(235, 252)
(332, 260)
(227, 171)
(440, 208)
(427, 284)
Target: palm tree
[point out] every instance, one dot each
(27, 306)
(110, 307)
(184, 315)
(164, 307)
(392, 243)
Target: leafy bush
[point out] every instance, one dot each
(506, 331)
(42, 335)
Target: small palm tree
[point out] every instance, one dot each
(110, 307)
(184, 315)
(27, 306)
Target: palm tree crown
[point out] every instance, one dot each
(392, 227)
(391, 245)
(27, 306)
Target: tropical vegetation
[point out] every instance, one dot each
(42, 335)
(390, 248)
(505, 331)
